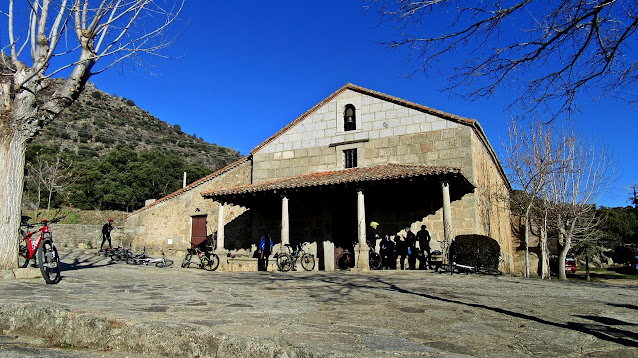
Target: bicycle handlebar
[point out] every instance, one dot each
(43, 222)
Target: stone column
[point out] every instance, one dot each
(220, 226)
(285, 226)
(328, 256)
(361, 248)
(447, 218)
(224, 264)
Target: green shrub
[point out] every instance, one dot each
(476, 250)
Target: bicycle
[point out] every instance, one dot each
(288, 260)
(460, 268)
(115, 253)
(143, 259)
(48, 259)
(208, 260)
(345, 260)
(374, 259)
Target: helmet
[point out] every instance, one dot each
(110, 220)
(374, 223)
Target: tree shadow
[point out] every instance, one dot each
(632, 307)
(602, 331)
(80, 263)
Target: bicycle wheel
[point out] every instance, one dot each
(308, 262)
(445, 268)
(49, 262)
(23, 254)
(213, 262)
(284, 262)
(164, 263)
(187, 260)
(489, 271)
(345, 261)
(375, 260)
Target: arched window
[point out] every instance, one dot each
(349, 118)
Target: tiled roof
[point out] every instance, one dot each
(365, 174)
(192, 185)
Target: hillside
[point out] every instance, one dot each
(105, 153)
(98, 122)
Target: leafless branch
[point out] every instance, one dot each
(549, 51)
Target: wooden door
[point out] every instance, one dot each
(198, 232)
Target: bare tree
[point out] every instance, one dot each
(34, 178)
(529, 160)
(55, 177)
(550, 51)
(581, 173)
(71, 38)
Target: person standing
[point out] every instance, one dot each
(423, 236)
(106, 233)
(372, 234)
(402, 250)
(410, 240)
(265, 249)
(388, 259)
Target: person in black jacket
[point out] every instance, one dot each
(423, 237)
(388, 257)
(410, 240)
(401, 250)
(106, 233)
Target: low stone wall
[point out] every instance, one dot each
(83, 236)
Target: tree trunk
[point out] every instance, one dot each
(12, 154)
(544, 250)
(587, 267)
(527, 241)
(562, 255)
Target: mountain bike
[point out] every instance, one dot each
(48, 259)
(135, 259)
(287, 260)
(466, 269)
(208, 260)
(142, 259)
(115, 253)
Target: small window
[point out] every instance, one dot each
(349, 118)
(350, 158)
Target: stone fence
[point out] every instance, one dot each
(82, 236)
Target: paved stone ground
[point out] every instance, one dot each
(116, 307)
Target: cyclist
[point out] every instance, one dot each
(106, 233)
(410, 240)
(372, 234)
(423, 237)
(388, 259)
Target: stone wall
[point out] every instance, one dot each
(388, 133)
(391, 133)
(167, 223)
(83, 236)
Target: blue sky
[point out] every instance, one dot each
(243, 70)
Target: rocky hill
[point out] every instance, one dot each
(98, 122)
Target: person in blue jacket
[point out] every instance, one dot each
(265, 249)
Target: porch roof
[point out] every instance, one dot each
(361, 176)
